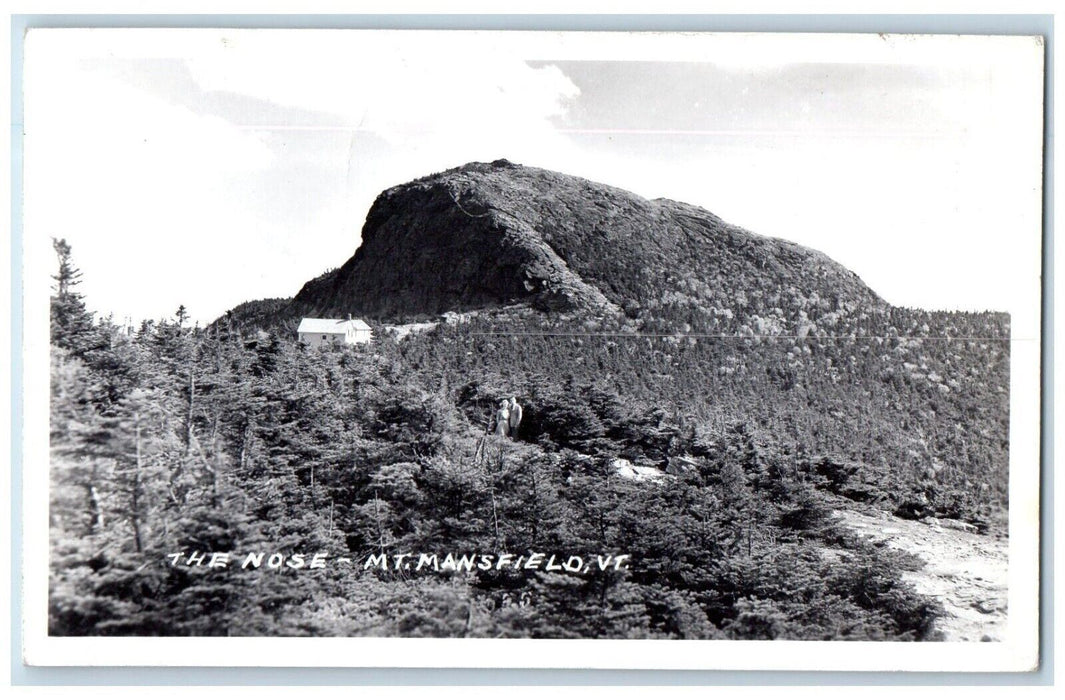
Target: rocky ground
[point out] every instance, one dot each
(965, 571)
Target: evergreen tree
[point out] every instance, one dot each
(71, 324)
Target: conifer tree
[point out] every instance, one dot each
(71, 322)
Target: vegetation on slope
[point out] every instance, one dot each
(169, 439)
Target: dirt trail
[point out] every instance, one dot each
(964, 571)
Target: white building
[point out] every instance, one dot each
(320, 331)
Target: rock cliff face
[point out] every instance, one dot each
(486, 235)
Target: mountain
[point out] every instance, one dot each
(715, 461)
(487, 235)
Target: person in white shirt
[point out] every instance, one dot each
(515, 417)
(503, 418)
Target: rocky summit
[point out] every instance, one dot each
(487, 235)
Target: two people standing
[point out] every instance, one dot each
(508, 417)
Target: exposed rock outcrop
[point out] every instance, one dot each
(487, 235)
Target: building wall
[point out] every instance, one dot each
(355, 337)
(318, 339)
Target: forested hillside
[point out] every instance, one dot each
(168, 439)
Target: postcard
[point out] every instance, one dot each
(531, 349)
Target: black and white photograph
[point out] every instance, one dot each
(491, 337)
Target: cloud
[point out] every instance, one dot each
(137, 185)
(178, 188)
(375, 82)
(208, 167)
(75, 109)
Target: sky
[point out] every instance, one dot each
(210, 167)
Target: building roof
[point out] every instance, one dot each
(331, 325)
